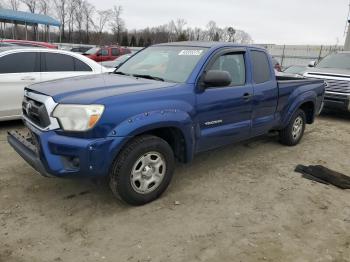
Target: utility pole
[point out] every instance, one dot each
(347, 32)
(347, 39)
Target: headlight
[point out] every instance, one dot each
(78, 117)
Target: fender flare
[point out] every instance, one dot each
(306, 97)
(148, 121)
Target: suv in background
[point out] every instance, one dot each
(106, 53)
(335, 70)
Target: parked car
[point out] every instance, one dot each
(130, 126)
(107, 53)
(116, 62)
(81, 49)
(335, 70)
(29, 43)
(295, 69)
(20, 67)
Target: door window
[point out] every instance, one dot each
(115, 52)
(261, 67)
(57, 62)
(24, 62)
(233, 63)
(103, 52)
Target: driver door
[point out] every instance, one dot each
(224, 113)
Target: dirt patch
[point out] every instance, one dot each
(240, 203)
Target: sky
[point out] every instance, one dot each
(267, 21)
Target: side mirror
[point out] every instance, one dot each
(312, 64)
(98, 54)
(217, 78)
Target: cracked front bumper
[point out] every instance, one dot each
(56, 155)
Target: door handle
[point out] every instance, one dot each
(247, 96)
(28, 78)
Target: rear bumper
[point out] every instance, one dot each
(62, 156)
(337, 101)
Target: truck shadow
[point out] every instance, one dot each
(331, 115)
(6, 125)
(204, 163)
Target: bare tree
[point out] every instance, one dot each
(243, 37)
(44, 7)
(212, 29)
(79, 17)
(171, 28)
(31, 5)
(14, 4)
(198, 34)
(88, 12)
(102, 18)
(61, 13)
(117, 24)
(71, 6)
(179, 26)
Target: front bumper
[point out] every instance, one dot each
(339, 101)
(27, 151)
(64, 156)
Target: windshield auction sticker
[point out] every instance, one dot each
(191, 52)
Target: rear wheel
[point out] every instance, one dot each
(294, 131)
(143, 170)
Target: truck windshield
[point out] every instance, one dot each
(164, 63)
(340, 60)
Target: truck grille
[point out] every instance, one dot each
(339, 86)
(36, 112)
(334, 85)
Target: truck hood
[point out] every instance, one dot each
(92, 88)
(329, 71)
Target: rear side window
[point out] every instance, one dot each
(261, 67)
(19, 63)
(80, 65)
(115, 52)
(57, 62)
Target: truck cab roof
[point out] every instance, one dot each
(207, 44)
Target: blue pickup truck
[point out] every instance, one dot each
(164, 104)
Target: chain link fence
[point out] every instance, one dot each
(289, 55)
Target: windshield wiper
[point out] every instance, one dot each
(121, 73)
(149, 77)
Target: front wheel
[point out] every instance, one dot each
(143, 170)
(294, 131)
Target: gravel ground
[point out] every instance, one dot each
(239, 203)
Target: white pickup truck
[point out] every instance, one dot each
(335, 70)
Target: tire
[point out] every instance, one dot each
(143, 170)
(294, 131)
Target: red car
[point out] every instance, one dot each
(106, 53)
(29, 43)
